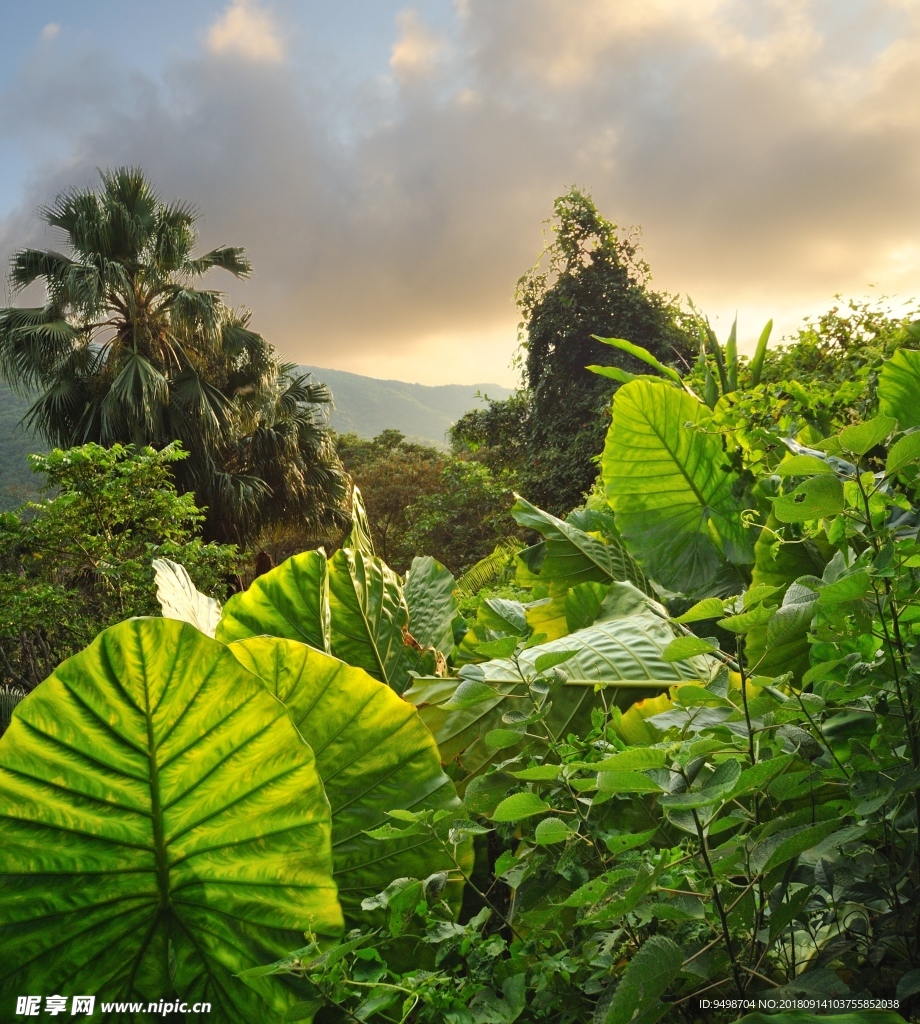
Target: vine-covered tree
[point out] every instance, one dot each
(126, 349)
(494, 434)
(590, 279)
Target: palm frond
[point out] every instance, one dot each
(238, 340)
(132, 410)
(28, 265)
(487, 570)
(33, 344)
(230, 258)
(204, 408)
(56, 414)
(199, 311)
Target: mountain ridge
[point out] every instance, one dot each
(423, 412)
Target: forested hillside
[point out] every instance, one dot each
(366, 405)
(362, 405)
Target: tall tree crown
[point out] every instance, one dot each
(126, 349)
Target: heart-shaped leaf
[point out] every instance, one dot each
(672, 488)
(292, 601)
(163, 828)
(375, 757)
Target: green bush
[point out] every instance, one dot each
(79, 561)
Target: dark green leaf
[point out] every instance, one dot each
(647, 977)
(431, 602)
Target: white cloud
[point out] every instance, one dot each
(415, 53)
(51, 30)
(246, 30)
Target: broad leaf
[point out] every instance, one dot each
(626, 782)
(570, 554)
(623, 656)
(164, 828)
(782, 645)
(813, 499)
(180, 599)
(708, 608)
(803, 465)
(903, 452)
(291, 601)
(431, 602)
(783, 846)
(861, 437)
(519, 806)
(370, 620)
(373, 754)
(550, 831)
(587, 604)
(682, 648)
(899, 388)
(671, 487)
(650, 972)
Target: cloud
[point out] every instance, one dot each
(246, 30)
(769, 148)
(415, 53)
(51, 30)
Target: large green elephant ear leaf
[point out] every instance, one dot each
(622, 656)
(671, 487)
(583, 549)
(431, 602)
(292, 601)
(899, 388)
(351, 606)
(374, 755)
(570, 555)
(163, 828)
(370, 619)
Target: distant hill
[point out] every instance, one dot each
(363, 405)
(424, 413)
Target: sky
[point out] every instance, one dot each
(390, 167)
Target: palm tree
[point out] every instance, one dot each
(126, 349)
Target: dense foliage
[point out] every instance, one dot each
(125, 349)
(392, 473)
(669, 749)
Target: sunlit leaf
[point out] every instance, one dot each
(159, 803)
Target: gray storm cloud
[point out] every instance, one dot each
(770, 150)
